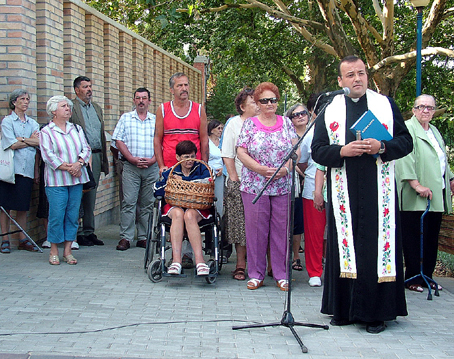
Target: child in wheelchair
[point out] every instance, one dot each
(185, 218)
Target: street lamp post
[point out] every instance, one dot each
(419, 5)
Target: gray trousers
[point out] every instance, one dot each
(137, 191)
(89, 199)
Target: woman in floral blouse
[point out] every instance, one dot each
(262, 145)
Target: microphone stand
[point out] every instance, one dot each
(287, 318)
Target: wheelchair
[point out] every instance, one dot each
(158, 245)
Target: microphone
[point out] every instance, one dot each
(345, 91)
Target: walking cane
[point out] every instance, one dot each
(421, 274)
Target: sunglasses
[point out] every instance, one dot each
(298, 114)
(264, 101)
(422, 108)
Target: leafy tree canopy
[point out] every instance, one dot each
(298, 43)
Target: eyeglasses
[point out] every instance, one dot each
(298, 114)
(423, 107)
(264, 101)
(187, 157)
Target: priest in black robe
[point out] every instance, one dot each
(364, 271)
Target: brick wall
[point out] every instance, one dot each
(45, 44)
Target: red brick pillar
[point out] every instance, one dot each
(202, 63)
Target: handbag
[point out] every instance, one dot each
(91, 184)
(7, 165)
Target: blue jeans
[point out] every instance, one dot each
(64, 203)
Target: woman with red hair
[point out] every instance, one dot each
(262, 145)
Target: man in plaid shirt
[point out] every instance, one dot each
(133, 137)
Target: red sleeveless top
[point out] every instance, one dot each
(177, 129)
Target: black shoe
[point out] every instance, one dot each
(123, 245)
(142, 243)
(84, 241)
(340, 322)
(94, 239)
(375, 327)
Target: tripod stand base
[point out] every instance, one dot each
(20, 230)
(428, 281)
(286, 321)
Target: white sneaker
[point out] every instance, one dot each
(46, 244)
(315, 282)
(75, 245)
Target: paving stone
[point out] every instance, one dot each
(106, 307)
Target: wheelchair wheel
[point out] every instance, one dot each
(154, 271)
(151, 238)
(220, 236)
(211, 279)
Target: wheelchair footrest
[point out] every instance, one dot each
(213, 275)
(174, 275)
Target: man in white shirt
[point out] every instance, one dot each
(133, 137)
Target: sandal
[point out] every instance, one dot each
(6, 247)
(70, 259)
(415, 288)
(282, 284)
(239, 274)
(26, 245)
(202, 269)
(296, 265)
(175, 268)
(433, 286)
(54, 260)
(254, 283)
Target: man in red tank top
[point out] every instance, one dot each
(179, 120)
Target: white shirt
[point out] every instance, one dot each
(230, 138)
(306, 156)
(136, 134)
(215, 160)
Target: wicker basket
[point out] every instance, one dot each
(188, 194)
(446, 236)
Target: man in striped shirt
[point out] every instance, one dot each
(133, 137)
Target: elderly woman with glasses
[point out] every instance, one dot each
(65, 152)
(21, 134)
(423, 174)
(299, 116)
(314, 219)
(262, 145)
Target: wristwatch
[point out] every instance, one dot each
(382, 148)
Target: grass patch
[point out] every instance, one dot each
(445, 264)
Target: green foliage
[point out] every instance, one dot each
(248, 46)
(447, 260)
(221, 99)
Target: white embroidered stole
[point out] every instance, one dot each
(335, 122)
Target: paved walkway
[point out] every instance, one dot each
(106, 307)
